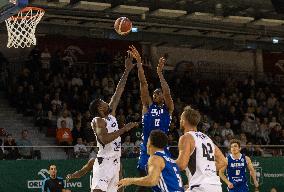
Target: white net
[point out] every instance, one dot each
(13, 1)
(21, 28)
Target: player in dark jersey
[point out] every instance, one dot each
(163, 172)
(53, 183)
(236, 169)
(156, 112)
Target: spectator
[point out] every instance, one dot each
(77, 81)
(93, 150)
(63, 134)
(271, 101)
(109, 88)
(106, 80)
(52, 116)
(243, 139)
(226, 143)
(281, 140)
(77, 133)
(227, 130)
(127, 146)
(68, 120)
(56, 101)
(248, 150)
(263, 132)
(273, 123)
(10, 149)
(249, 125)
(234, 118)
(25, 152)
(215, 130)
(205, 124)
(281, 115)
(275, 135)
(80, 149)
(40, 117)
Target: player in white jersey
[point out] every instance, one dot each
(199, 155)
(107, 164)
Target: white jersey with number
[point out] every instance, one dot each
(112, 149)
(202, 165)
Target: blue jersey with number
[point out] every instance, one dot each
(170, 179)
(236, 171)
(156, 118)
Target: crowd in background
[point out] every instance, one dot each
(57, 94)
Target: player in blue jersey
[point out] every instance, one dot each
(237, 164)
(156, 112)
(163, 173)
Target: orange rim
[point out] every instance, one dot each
(27, 9)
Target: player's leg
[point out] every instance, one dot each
(102, 175)
(112, 187)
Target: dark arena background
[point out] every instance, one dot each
(222, 57)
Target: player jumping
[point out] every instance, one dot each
(156, 112)
(107, 164)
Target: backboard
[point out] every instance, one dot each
(9, 8)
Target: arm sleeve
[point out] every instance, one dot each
(44, 186)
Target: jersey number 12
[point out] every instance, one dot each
(208, 152)
(157, 122)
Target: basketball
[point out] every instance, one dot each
(123, 26)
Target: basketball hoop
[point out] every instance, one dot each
(21, 28)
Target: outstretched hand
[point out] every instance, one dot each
(161, 64)
(69, 177)
(123, 183)
(135, 54)
(131, 125)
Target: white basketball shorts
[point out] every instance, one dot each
(106, 174)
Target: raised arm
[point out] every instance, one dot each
(83, 171)
(185, 147)
(102, 134)
(252, 172)
(165, 87)
(144, 91)
(155, 166)
(122, 82)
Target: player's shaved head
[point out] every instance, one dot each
(94, 105)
